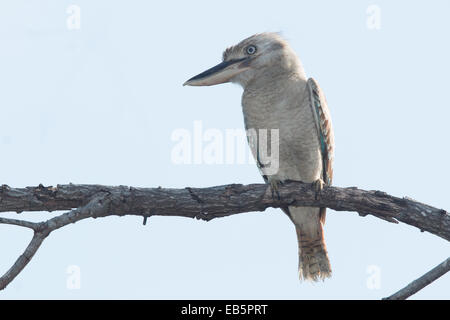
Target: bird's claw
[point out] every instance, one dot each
(274, 189)
(318, 187)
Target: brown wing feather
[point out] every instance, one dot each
(324, 132)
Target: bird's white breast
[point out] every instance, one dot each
(284, 105)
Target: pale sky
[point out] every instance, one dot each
(98, 102)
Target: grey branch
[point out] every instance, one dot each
(422, 282)
(93, 201)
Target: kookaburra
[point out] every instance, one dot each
(277, 95)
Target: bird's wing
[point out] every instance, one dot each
(325, 134)
(324, 128)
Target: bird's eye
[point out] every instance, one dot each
(250, 50)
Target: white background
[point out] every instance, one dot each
(99, 104)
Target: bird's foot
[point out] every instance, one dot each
(318, 187)
(274, 184)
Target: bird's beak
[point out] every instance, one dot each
(221, 73)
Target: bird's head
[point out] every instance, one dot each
(261, 54)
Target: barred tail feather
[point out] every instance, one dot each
(314, 264)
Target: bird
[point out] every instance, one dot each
(278, 95)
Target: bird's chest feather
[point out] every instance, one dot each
(291, 115)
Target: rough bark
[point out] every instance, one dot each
(220, 201)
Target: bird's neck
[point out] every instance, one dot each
(274, 80)
(269, 77)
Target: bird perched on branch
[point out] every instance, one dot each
(278, 96)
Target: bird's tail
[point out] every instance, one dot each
(314, 264)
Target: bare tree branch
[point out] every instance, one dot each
(23, 259)
(94, 208)
(422, 282)
(220, 201)
(95, 201)
(20, 223)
